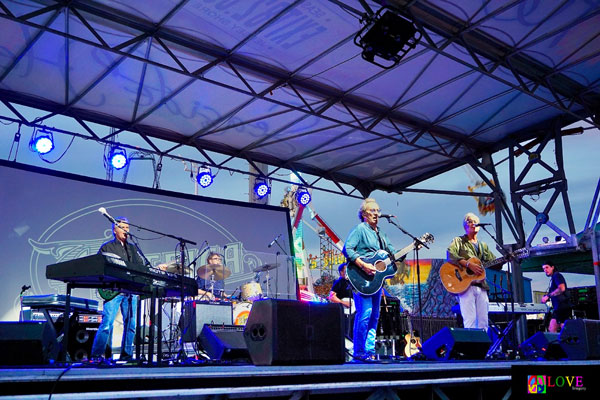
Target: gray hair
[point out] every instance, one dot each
(363, 207)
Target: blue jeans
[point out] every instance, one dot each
(128, 305)
(365, 322)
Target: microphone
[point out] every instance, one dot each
(483, 224)
(274, 240)
(25, 288)
(103, 211)
(388, 216)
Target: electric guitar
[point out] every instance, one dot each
(108, 294)
(456, 278)
(369, 284)
(413, 342)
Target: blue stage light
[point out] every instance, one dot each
(118, 158)
(261, 189)
(303, 197)
(204, 177)
(43, 144)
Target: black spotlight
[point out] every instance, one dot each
(390, 37)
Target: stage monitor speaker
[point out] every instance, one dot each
(27, 343)
(457, 343)
(280, 332)
(224, 342)
(580, 339)
(543, 344)
(198, 313)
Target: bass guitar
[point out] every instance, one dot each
(369, 284)
(456, 278)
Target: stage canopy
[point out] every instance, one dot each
(284, 83)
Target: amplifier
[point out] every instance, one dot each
(197, 313)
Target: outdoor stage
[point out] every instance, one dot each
(385, 379)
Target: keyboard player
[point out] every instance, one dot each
(127, 303)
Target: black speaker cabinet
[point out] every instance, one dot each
(280, 332)
(27, 343)
(81, 339)
(224, 342)
(457, 343)
(580, 339)
(543, 344)
(198, 313)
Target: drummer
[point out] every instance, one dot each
(205, 289)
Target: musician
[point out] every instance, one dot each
(473, 301)
(561, 306)
(205, 289)
(341, 293)
(126, 302)
(363, 242)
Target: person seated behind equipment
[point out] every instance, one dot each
(215, 289)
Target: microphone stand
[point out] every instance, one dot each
(509, 292)
(182, 243)
(418, 243)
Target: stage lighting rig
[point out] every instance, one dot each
(118, 157)
(303, 196)
(389, 36)
(204, 177)
(261, 189)
(42, 141)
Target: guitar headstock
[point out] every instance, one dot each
(427, 238)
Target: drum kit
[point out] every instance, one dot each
(249, 292)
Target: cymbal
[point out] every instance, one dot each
(175, 268)
(217, 271)
(266, 267)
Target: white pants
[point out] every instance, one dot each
(474, 307)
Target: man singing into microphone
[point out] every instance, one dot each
(126, 302)
(473, 301)
(362, 243)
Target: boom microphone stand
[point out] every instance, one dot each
(418, 243)
(509, 329)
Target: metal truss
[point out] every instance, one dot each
(530, 74)
(567, 93)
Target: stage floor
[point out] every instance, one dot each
(390, 379)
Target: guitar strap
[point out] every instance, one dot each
(381, 246)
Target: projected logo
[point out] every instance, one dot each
(542, 384)
(58, 244)
(536, 384)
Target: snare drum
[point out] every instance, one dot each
(241, 312)
(251, 291)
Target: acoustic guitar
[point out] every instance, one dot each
(456, 278)
(369, 284)
(413, 342)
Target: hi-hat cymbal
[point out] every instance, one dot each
(218, 272)
(175, 268)
(265, 267)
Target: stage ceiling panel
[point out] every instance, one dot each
(282, 82)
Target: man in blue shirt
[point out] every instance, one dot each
(362, 243)
(212, 289)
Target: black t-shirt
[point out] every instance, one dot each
(342, 288)
(560, 301)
